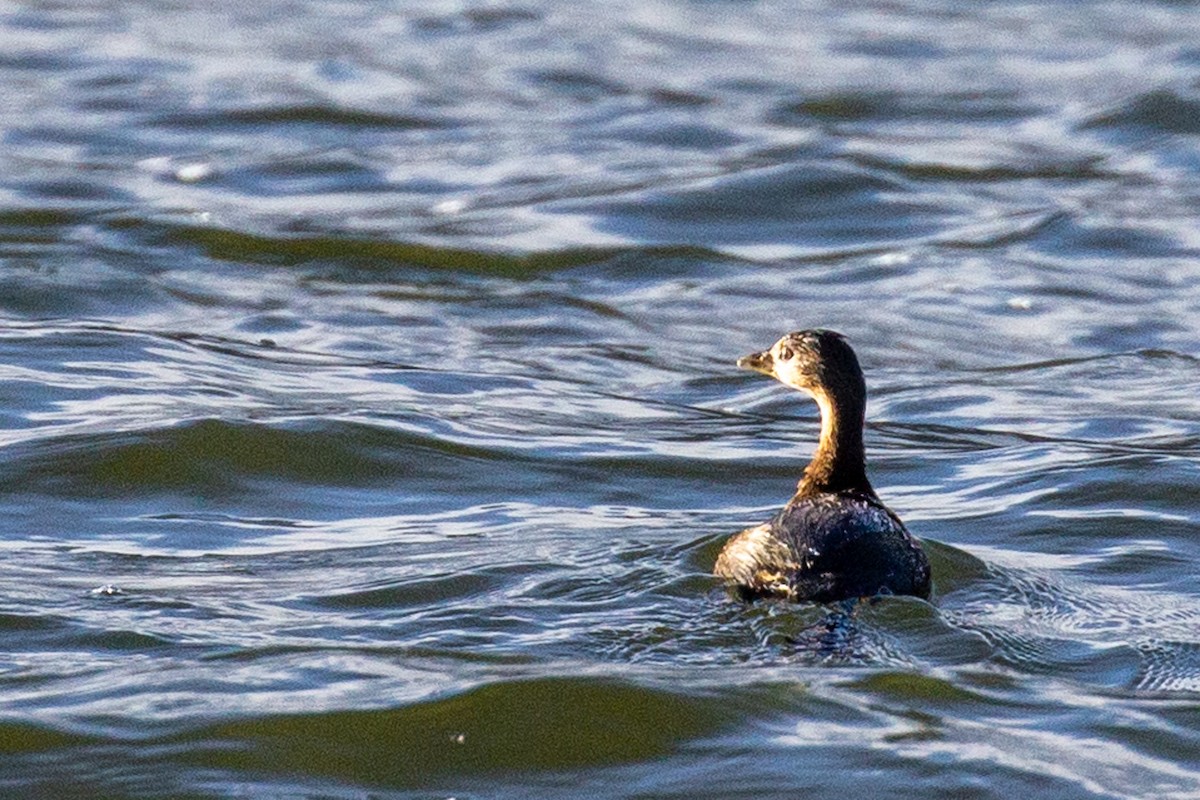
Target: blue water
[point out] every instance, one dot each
(369, 422)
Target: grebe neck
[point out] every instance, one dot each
(839, 463)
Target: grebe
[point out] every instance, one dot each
(835, 539)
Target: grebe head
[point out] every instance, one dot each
(818, 362)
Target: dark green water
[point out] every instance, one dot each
(369, 421)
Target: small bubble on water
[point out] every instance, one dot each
(1020, 303)
(449, 207)
(892, 259)
(191, 173)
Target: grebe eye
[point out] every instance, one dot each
(785, 353)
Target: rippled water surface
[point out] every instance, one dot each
(369, 421)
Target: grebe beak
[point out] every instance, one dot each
(759, 362)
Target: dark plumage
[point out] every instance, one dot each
(835, 539)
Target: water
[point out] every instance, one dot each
(369, 423)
